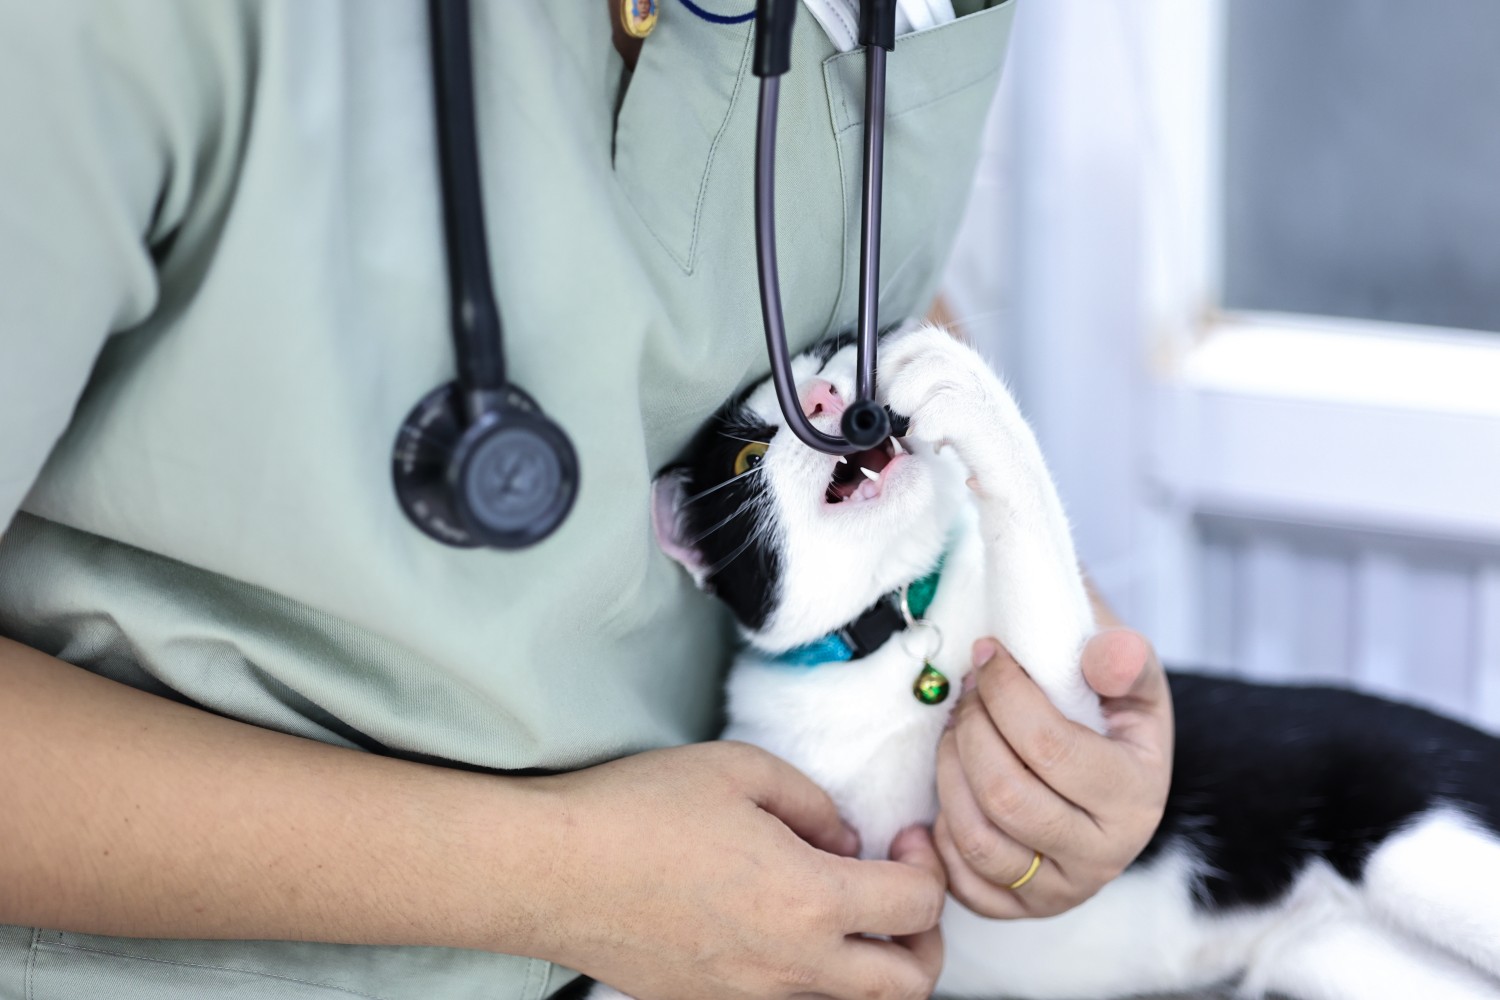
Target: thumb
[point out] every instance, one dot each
(913, 846)
(1115, 661)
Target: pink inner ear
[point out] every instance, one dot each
(666, 501)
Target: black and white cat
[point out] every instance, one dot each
(1316, 843)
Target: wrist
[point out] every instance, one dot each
(511, 891)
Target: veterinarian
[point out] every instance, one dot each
(264, 738)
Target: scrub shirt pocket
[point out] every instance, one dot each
(939, 87)
(690, 75)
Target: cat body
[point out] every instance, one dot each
(818, 716)
(1316, 843)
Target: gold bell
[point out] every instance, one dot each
(638, 17)
(931, 687)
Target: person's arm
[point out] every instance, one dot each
(133, 815)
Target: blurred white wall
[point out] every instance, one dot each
(1278, 494)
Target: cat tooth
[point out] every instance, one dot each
(873, 477)
(843, 459)
(897, 447)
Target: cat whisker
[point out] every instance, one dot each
(719, 566)
(736, 437)
(729, 517)
(957, 324)
(699, 496)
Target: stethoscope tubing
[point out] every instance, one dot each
(770, 281)
(476, 462)
(869, 269)
(477, 332)
(869, 236)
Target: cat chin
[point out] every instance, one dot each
(839, 563)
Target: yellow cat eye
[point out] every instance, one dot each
(749, 457)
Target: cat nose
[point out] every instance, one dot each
(819, 397)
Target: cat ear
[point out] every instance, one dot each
(666, 518)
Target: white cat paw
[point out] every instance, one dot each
(954, 399)
(927, 366)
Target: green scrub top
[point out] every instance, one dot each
(223, 289)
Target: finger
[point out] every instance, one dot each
(1046, 894)
(792, 797)
(906, 969)
(915, 847)
(900, 897)
(1074, 761)
(1114, 662)
(979, 844)
(1010, 795)
(970, 888)
(1140, 714)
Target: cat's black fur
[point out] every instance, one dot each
(743, 565)
(1267, 778)
(1270, 781)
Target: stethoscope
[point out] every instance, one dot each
(477, 463)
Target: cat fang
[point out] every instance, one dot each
(864, 475)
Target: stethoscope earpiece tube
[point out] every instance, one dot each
(865, 422)
(773, 36)
(869, 227)
(877, 23)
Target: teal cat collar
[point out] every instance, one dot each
(893, 613)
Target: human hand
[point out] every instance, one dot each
(1016, 777)
(719, 870)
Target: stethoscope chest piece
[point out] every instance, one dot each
(476, 462)
(505, 479)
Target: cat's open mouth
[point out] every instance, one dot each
(859, 477)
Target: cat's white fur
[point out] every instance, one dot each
(1011, 573)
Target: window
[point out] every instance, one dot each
(1250, 302)
(1362, 165)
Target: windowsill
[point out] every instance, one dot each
(1329, 360)
(1357, 425)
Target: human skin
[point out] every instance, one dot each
(712, 870)
(1015, 776)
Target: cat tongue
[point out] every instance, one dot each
(854, 477)
(876, 459)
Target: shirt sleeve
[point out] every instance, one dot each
(102, 103)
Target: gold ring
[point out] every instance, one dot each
(1036, 864)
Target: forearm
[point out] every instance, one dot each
(129, 814)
